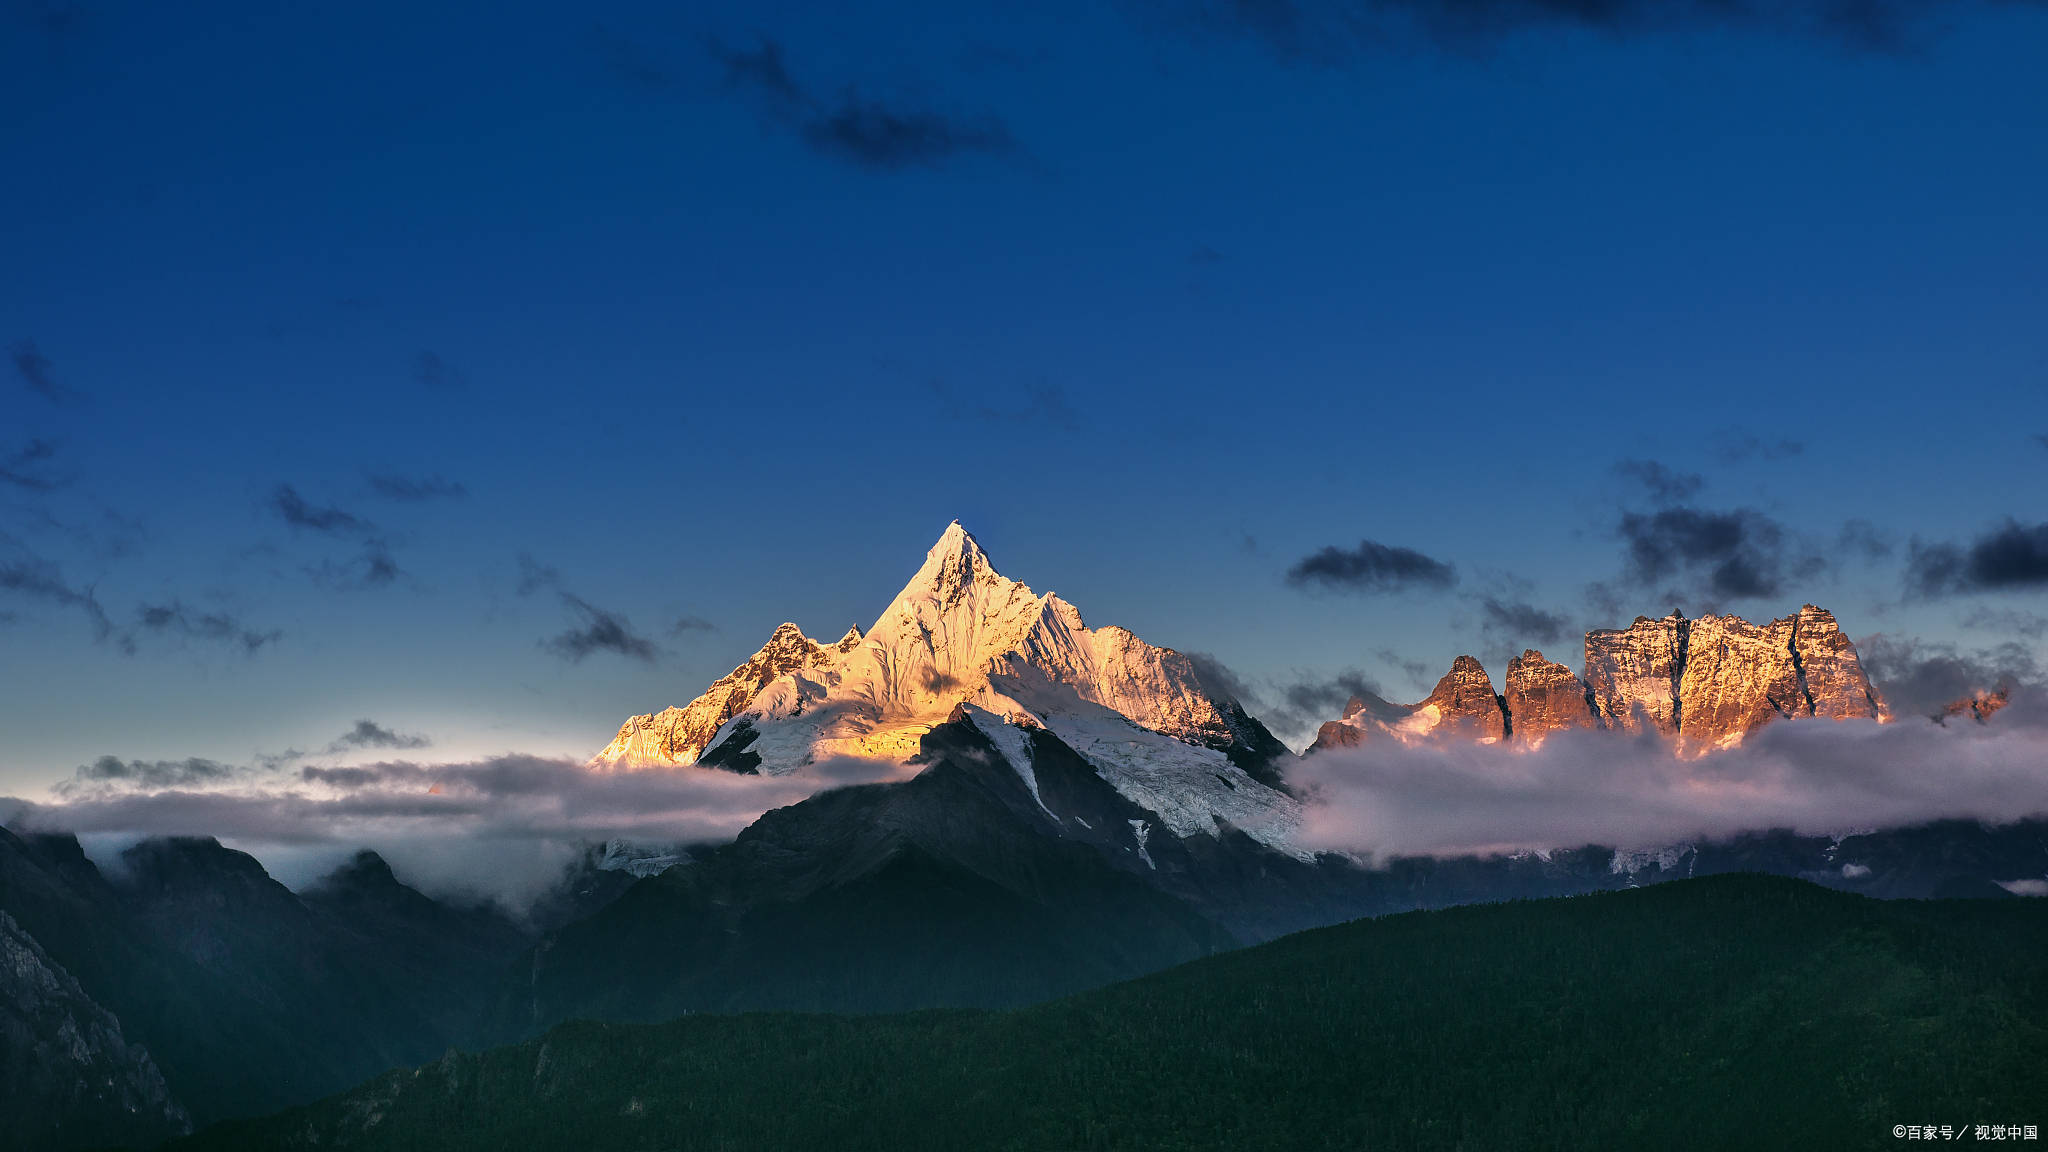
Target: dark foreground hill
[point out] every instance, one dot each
(1733, 1011)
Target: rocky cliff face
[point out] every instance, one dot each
(1544, 696)
(1464, 704)
(68, 1078)
(1632, 673)
(1706, 683)
(677, 736)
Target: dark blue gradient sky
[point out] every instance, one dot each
(718, 318)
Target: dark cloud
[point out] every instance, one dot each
(853, 128)
(370, 734)
(217, 627)
(2010, 621)
(300, 514)
(1416, 671)
(1711, 555)
(1332, 31)
(149, 774)
(437, 374)
(34, 369)
(1202, 254)
(625, 58)
(1917, 677)
(37, 579)
(2041, 438)
(1217, 679)
(375, 567)
(1042, 406)
(415, 489)
(598, 631)
(595, 630)
(1518, 622)
(1597, 787)
(34, 578)
(27, 467)
(1301, 706)
(2011, 557)
(1371, 567)
(535, 576)
(56, 19)
(1864, 540)
(1663, 485)
(1737, 447)
(687, 623)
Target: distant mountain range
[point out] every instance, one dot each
(1087, 808)
(1707, 683)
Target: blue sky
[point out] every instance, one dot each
(720, 317)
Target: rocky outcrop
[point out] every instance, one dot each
(1632, 673)
(1706, 683)
(1978, 707)
(1544, 696)
(1736, 677)
(68, 1078)
(1464, 705)
(677, 736)
(1835, 683)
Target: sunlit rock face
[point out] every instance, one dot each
(1705, 683)
(1544, 696)
(1633, 673)
(961, 632)
(1736, 678)
(1463, 706)
(674, 737)
(1978, 707)
(1835, 683)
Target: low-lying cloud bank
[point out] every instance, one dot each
(502, 827)
(507, 826)
(1582, 787)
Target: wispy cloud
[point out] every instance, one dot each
(595, 629)
(1511, 622)
(28, 467)
(33, 578)
(855, 128)
(34, 369)
(299, 513)
(176, 619)
(686, 624)
(1663, 484)
(370, 734)
(1333, 31)
(415, 489)
(1043, 406)
(437, 375)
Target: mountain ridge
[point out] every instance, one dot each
(1705, 684)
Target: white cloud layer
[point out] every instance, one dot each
(1812, 776)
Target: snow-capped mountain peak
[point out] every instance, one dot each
(958, 633)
